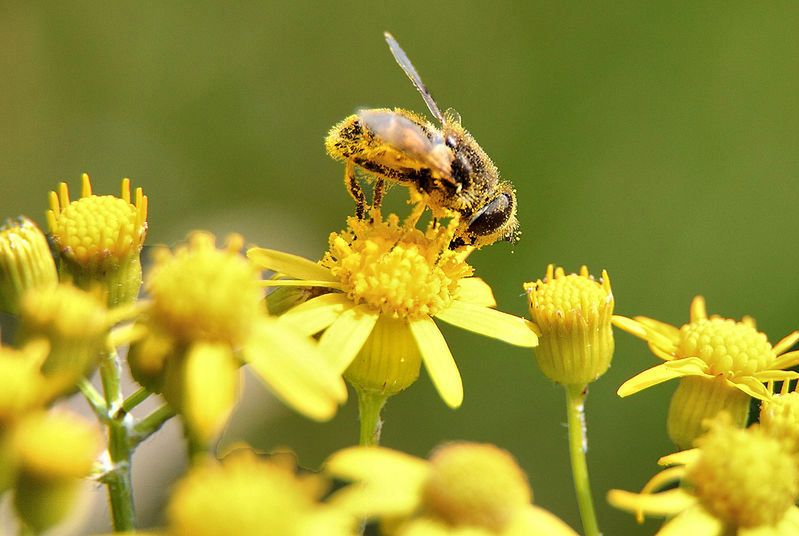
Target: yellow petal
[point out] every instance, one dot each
(663, 328)
(490, 322)
(295, 369)
(750, 386)
(690, 366)
(629, 325)
(438, 361)
(388, 483)
(787, 342)
(342, 341)
(683, 457)
(376, 463)
(667, 503)
(696, 522)
(317, 313)
(286, 263)
(698, 309)
(791, 359)
(299, 283)
(475, 291)
(210, 388)
(535, 520)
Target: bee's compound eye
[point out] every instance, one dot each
(493, 216)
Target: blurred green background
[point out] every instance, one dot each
(657, 140)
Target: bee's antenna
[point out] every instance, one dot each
(407, 66)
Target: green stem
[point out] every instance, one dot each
(135, 399)
(369, 407)
(151, 423)
(118, 480)
(94, 399)
(578, 445)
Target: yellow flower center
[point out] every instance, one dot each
(779, 418)
(242, 496)
(744, 477)
(95, 231)
(726, 346)
(562, 295)
(202, 293)
(395, 268)
(573, 313)
(475, 485)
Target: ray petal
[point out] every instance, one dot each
(475, 291)
(791, 359)
(490, 322)
(667, 503)
(286, 263)
(317, 313)
(438, 361)
(690, 366)
(695, 521)
(698, 309)
(344, 338)
(786, 343)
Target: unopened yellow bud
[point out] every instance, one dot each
(25, 262)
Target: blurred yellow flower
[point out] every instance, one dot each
(206, 313)
(246, 495)
(572, 314)
(388, 281)
(74, 323)
(99, 239)
(53, 449)
(25, 262)
(738, 481)
(720, 363)
(465, 488)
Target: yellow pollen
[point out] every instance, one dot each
(95, 230)
(744, 477)
(726, 346)
(474, 484)
(203, 293)
(395, 268)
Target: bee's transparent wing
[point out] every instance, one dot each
(410, 139)
(407, 66)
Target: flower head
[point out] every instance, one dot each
(471, 487)
(779, 418)
(99, 238)
(720, 363)
(572, 314)
(25, 262)
(74, 323)
(738, 481)
(205, 317)
(53, 451)
(388, 281)
(247, 495)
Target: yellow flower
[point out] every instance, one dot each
(25, 262)
(388, 281)
(74, 323)
(245, 495)
(54, 449)
(99, 238)
(738, 481)
(206, 313)
(720, 363)
(572, 314)
(779, 417)
(465, 488)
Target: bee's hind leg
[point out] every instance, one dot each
(355, 190)
(377, 196)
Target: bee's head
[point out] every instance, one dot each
(495, 220)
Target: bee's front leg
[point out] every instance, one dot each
(354, 188)
(380, 189)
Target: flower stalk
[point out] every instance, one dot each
(370, 405)
(578, 445)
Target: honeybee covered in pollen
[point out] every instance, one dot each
(443, 164)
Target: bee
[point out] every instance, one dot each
(443, 165)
